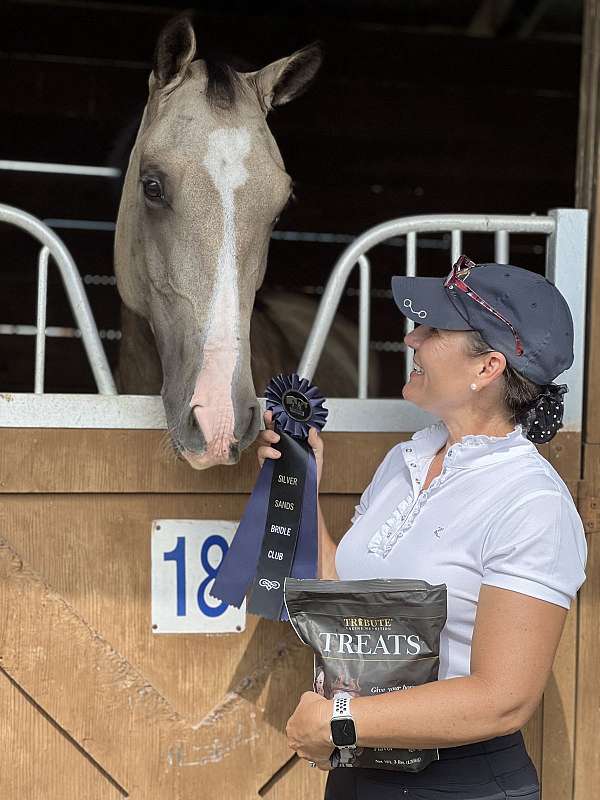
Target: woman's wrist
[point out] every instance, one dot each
(324, 723)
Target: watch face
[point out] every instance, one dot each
(343, 732)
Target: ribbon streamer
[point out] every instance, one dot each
(292, 549)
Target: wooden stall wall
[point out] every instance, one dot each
(93, 704)
(587, 734)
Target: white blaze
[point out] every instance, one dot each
(212, 401)
(224, 161)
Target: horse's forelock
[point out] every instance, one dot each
(223, 84)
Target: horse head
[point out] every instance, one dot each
(204, 187)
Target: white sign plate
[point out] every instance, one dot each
(186, 554)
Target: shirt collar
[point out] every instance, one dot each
(473, 450)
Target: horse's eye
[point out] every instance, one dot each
(153, 189)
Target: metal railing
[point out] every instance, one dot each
(53, 246)
(566, 232)
(566, 254)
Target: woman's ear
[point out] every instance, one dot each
(175, 50)
(287, 78)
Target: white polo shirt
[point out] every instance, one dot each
(497, 514)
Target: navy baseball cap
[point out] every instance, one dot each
(517, 312)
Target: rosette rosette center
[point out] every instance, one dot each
(296, 404)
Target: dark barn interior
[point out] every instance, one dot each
(427, 106)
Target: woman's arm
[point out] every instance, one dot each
(513, 647)
(514, 643)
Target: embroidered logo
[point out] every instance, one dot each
(438, 532)
(408, 304)
(268, 585)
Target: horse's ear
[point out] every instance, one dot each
(283, 80)
(175, 50)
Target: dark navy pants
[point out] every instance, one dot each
(497, 769)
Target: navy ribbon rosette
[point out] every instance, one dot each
(277, 535)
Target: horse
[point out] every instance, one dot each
(204, 187)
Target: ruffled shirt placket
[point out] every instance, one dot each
(404, 515)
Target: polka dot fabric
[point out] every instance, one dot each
(544, 418)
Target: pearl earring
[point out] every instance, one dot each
(474, 387)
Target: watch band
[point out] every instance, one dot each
(341, 710)
(341, 705)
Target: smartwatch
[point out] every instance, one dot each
(343, 732)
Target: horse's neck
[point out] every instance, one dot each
(278, 331)
(138, 370)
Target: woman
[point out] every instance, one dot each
(468, 502)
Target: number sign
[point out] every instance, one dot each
(186, 554)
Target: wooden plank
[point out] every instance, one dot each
(587, 197)
(95, 551)
(557, 728)
(587, 731)
(587, 735)
(559, 711)
(141, 461)
(533, 733)
(120, 719)
(35, 754)
(296, 780)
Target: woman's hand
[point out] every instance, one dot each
(269, 437)
(308, 729)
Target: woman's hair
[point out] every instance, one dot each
(520, 393)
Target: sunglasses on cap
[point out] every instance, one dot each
(454, 280)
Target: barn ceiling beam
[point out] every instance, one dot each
(530, 21)
(508, 18)
(489, 17)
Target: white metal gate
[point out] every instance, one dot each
(566, 249)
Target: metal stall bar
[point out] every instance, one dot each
(364, 327)
(411, 271)
(40, 336)
(501, 247)
(75, 292)
(59, 169)
(477, 223)
(456, 246)
(566, 258)
(565, 266)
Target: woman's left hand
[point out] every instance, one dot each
(308, 729)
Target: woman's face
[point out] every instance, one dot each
(448, 370)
